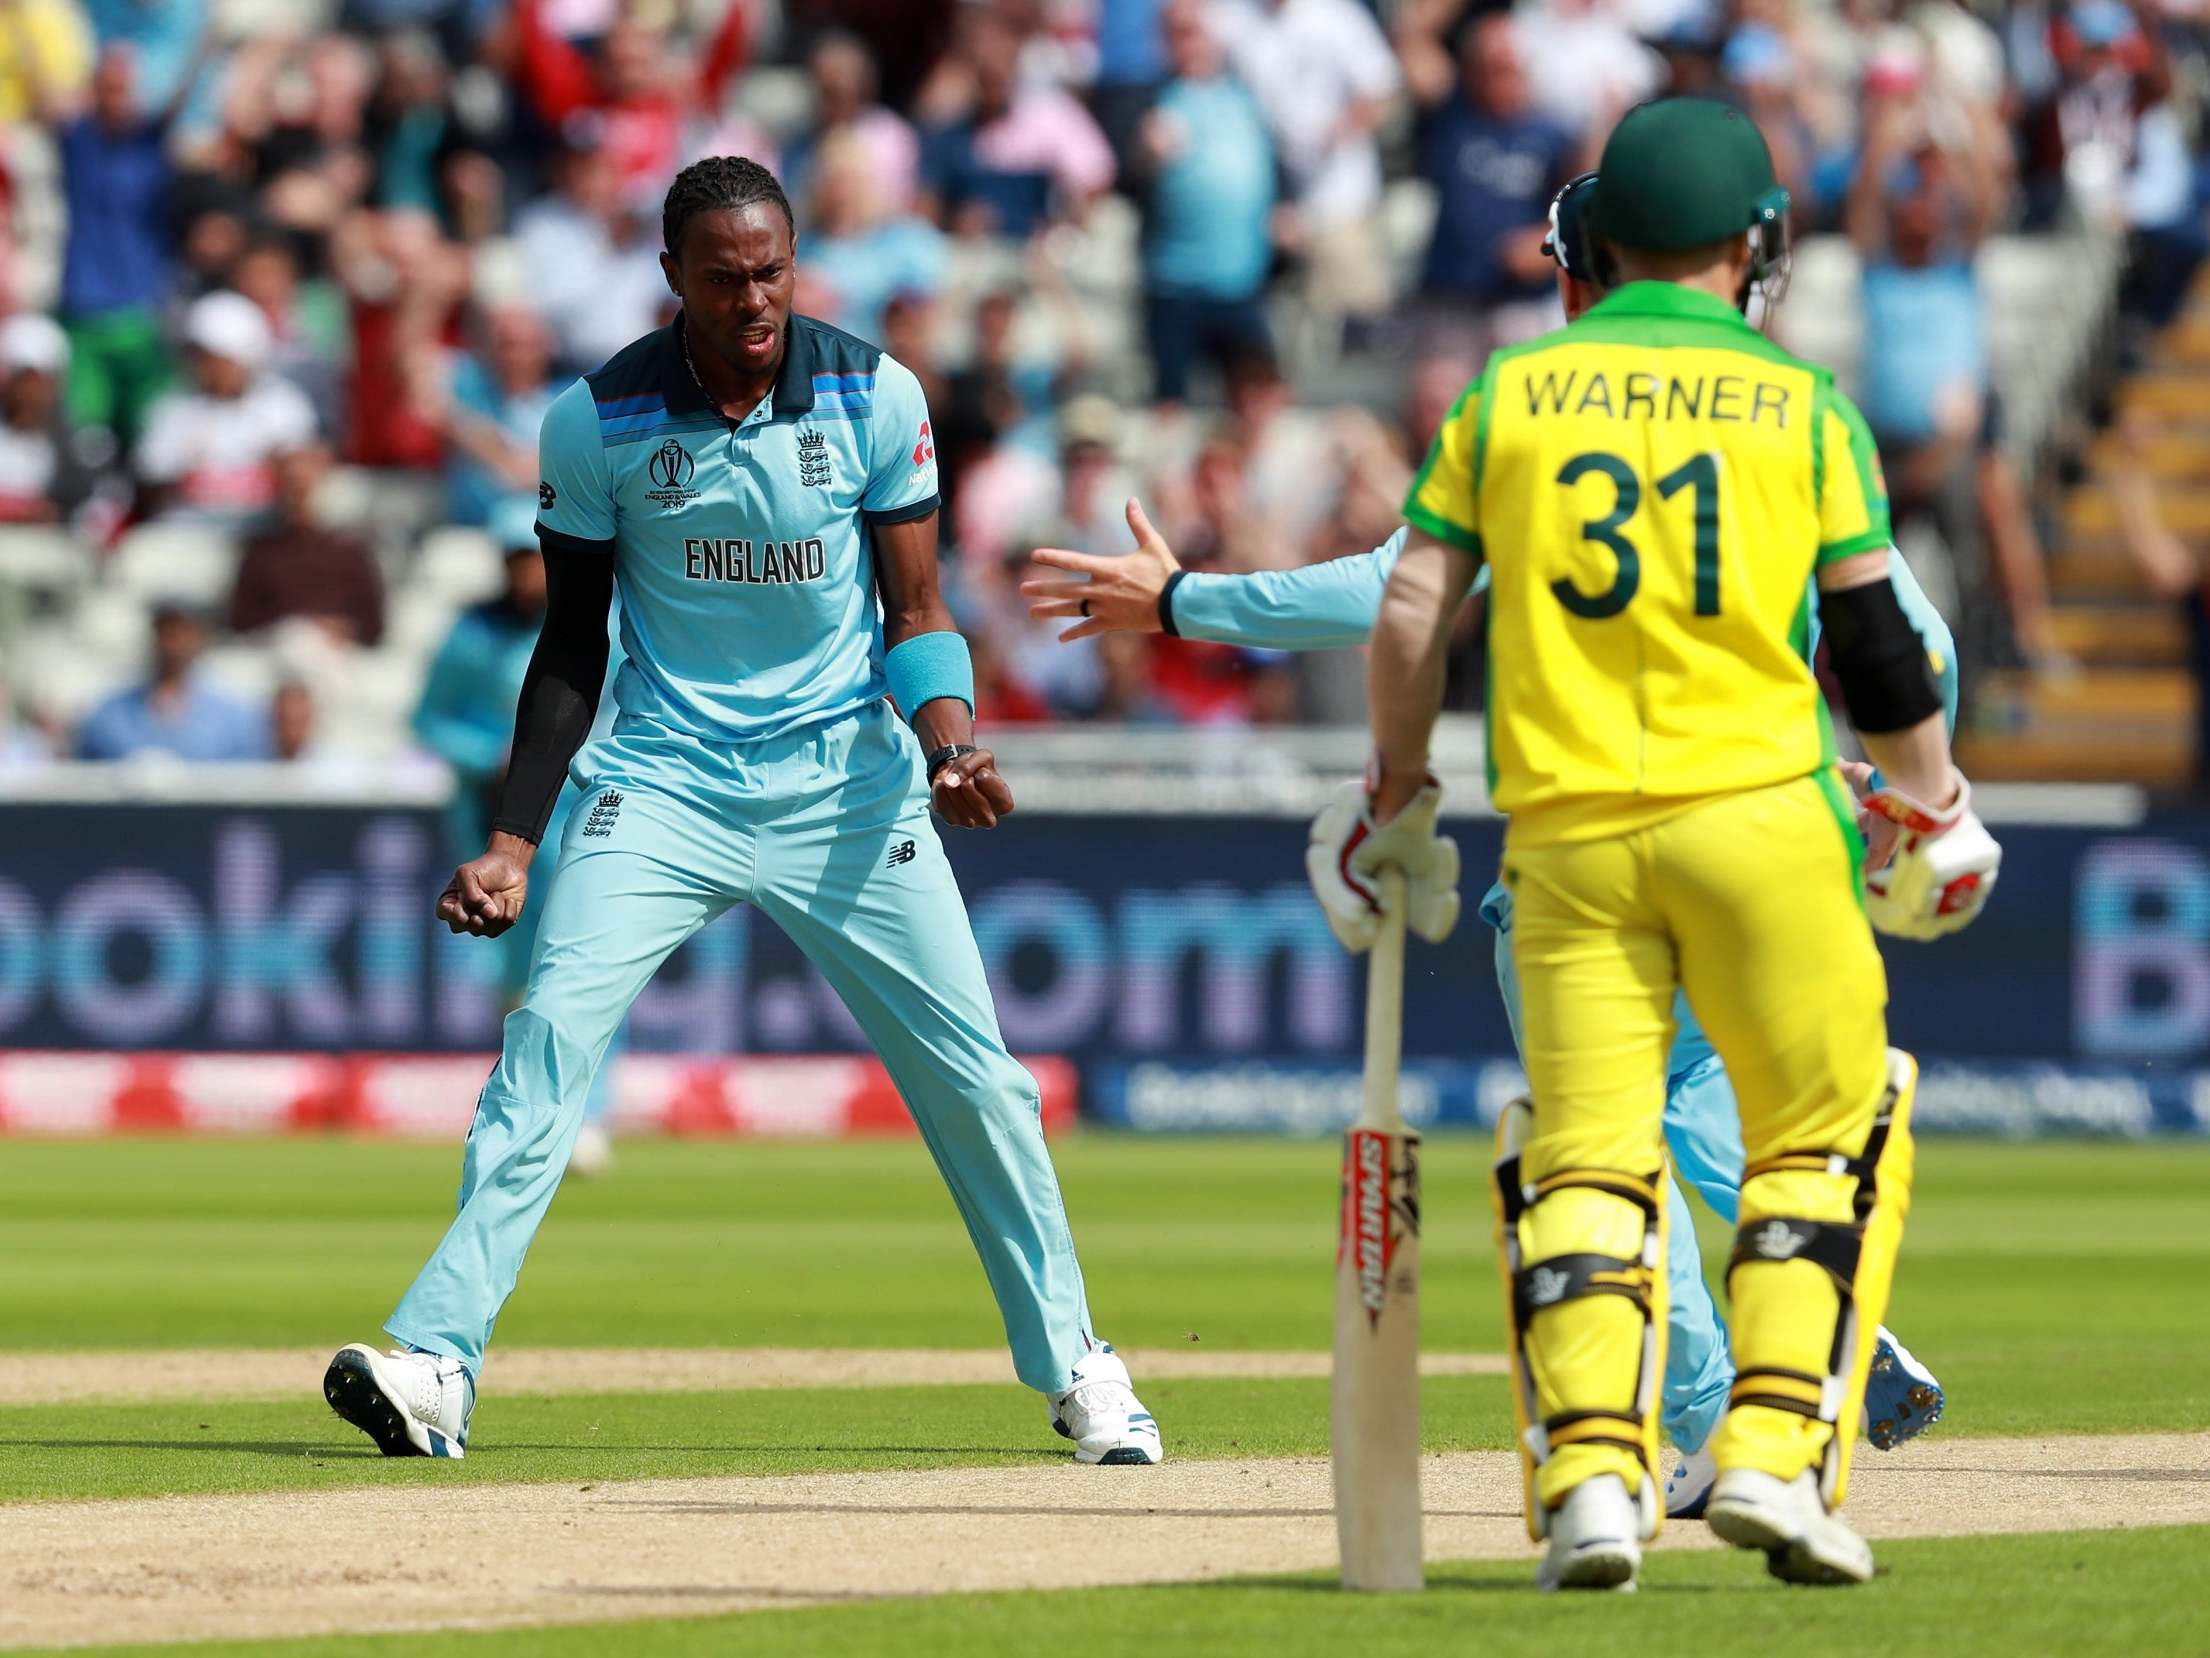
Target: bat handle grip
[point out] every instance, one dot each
(1385, 1010)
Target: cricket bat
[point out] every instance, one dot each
(1377, 1298)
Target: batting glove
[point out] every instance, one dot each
(1347, 851)
(1943, 870)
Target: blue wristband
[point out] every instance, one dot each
(928, 666)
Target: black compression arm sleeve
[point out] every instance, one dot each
(560, 689)
(1879, 658)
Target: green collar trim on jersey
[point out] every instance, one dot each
(1666, 299)
(793, 381)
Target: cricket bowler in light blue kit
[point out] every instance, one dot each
(761, 488)
(1333, 605)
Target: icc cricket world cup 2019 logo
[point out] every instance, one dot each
(1381, 1209)
(671, 469)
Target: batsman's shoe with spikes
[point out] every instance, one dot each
(411, 1404)
(1688, 1486)
(1103, 1416)
(1595, 1538)
(1787, 1521)
(1902, 1399)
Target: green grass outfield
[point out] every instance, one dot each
(2070, 1593)
(2052, 1285)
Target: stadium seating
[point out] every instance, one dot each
(181, 563)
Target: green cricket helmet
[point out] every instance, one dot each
(1681, 173)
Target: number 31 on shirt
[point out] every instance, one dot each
(1699, 475)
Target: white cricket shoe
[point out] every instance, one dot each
(1595, 1538)
(411, 1404)
(1787, 1519)
(1688, 1486)
(1103, 1416)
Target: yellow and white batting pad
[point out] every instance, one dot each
(1814, 1258)
(1582, 1253)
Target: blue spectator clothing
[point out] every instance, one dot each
(1014, 166)
(866, 272)
(204, 725)
(1181, 328)
(165, 35)
(1019, 200)
(115, 186)
(1211, 202)
(466, 715)
(1129, 51)
(742, 549)
(454, 20)
(471, 489)
(1925, 336)
(1492, 178)
(406, 162)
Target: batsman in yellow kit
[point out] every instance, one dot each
(1662, 497)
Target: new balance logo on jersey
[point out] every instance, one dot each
(603, 812)
(814, 470)
(764, 563)
(902, 853)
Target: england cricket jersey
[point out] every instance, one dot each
(742, 548)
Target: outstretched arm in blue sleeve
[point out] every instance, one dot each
(1323, 606)
(1326, 606)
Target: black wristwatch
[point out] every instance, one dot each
(946, 755)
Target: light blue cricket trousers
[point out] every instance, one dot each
(507, 958)
(827, 832)
(1703, 1130)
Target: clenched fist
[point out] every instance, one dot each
(486, 894)
(970, 793)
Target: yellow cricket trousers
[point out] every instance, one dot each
(1751, 903)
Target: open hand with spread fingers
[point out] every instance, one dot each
(1108, 595)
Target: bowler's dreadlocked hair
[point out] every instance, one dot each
(716, 185)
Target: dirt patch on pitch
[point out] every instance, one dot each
(216, 1374)
(187, 1568)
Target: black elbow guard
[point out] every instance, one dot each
(1878, 657)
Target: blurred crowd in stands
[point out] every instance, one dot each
(296, 280)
